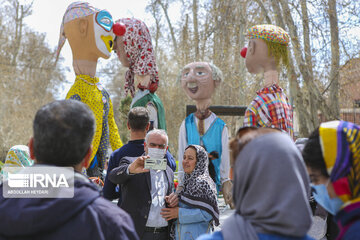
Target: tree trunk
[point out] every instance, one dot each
(308, 61)
(315, 95)
(296, 95)
(335, 59)
(196, 29)
(170, 25)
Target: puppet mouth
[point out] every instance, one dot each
(109, 42)
(193, 87)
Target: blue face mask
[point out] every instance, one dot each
(321, 196)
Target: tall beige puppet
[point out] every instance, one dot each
(90, 35)
(266, 53)
(135, 51)
(199, 80)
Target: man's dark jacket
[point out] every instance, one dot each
(133, 148)
(85, 216)
(136, 191)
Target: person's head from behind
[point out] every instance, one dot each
(138, 119)
(195, 159)
(243, 136)
(269, 178)
(62, 134)
(156, 143)
(331, 158)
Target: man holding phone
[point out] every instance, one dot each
(144, 190)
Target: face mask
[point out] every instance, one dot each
(156, 153)
(321, 196)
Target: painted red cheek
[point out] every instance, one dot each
(243, 52)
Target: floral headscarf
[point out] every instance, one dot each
(199, 189)
(18, 156)
(340, 145)
(139, 51)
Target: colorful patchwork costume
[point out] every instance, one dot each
(270, 108)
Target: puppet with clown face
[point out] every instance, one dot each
(90, 35)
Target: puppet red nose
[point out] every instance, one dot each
(243, 52)
(119, 29)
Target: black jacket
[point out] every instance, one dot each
(136, 192)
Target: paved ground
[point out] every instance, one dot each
(224, 210)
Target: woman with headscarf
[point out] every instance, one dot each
(271, 189)
(17, 157)
(333, 162)
(135, 51)
(198, 209)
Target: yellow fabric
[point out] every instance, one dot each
(86, 88)
(328, 141)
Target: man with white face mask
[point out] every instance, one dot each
(143, 191)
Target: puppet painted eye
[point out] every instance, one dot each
(186, 74)
(105, 21)
(200, 73)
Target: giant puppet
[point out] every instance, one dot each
(90, 34)
(199, 80)
(266, 53)
(135, 51)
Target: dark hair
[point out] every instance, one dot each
(215, 154)
(312, 154)
(63, 132)
(138, 118)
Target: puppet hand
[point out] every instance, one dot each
(227, 192)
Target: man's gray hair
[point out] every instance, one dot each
(217, 74)
(158, 132)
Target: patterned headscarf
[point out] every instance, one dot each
(139, 51)
(18, 156)
(75, 10)
(199, 189)
(340, 144)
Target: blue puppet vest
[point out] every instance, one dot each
(211, 140)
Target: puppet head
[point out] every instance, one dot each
(199, 80)
(267, 48)
(89, 31)
(135, 51)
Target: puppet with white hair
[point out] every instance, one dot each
(199, 80)
(90, 32)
